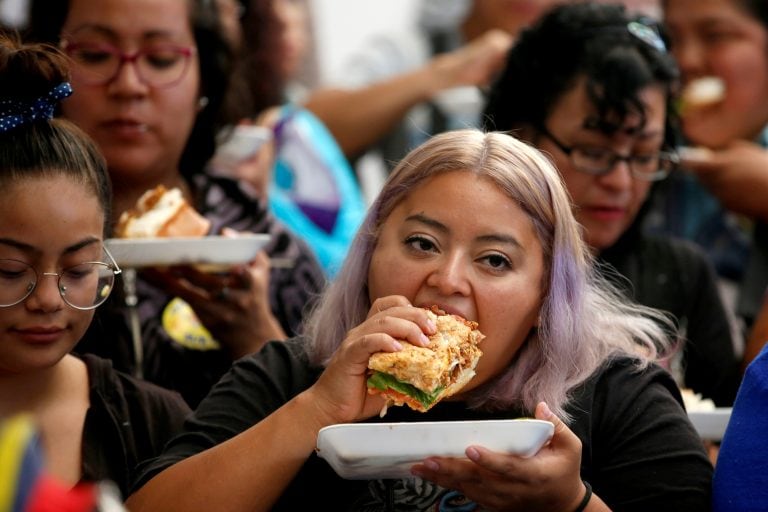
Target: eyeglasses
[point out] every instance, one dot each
(157, 66)
(84, 286)
(599, 160)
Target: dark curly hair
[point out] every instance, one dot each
(758, 9)
(215, 56)
(582, 40)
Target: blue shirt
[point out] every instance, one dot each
(741, 474)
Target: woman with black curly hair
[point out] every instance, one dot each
(594, 88)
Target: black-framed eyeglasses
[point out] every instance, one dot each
(598, 161)
(158, 65)
(84, 286)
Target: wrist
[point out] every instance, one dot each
(248, 342)
(585, 499)
(265, 327)
(305, 421)
(438, 76)
(315, 414)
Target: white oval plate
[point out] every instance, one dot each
(389, 450)
(161, 252)
(711, 424)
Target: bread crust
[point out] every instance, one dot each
(185, 222)
(161, 212)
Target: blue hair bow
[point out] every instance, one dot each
(15, 112)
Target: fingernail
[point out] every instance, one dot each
(397, 345)
(431, 325)
(473, 454)
(545, 410)
(431, 465)
(425, 339)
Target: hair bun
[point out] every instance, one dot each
(29, 71)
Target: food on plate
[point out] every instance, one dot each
(694, 401)
(419, 377)
(695, 153)
(703, 92)
(161, 212)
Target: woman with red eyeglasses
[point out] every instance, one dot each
(149, 78)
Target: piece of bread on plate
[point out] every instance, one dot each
(162, 212)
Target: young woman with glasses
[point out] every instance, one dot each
(55, 196)
(593, 87)
(149, 79)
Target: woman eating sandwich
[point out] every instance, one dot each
(479, 225)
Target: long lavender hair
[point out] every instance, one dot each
(584, 321)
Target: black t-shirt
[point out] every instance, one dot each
(128, 421)
(675, 276)
(640, 452)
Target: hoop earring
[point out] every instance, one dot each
(202, 103)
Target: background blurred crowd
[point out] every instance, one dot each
(267, 127)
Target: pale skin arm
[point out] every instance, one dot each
(550, 480)
(358, 118)
(246, 476)
(737, 175)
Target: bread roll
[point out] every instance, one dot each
(703, 92)
(162, 213)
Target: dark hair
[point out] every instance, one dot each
(758, 9)
(215, 58)
(43, 147)
(582, 40)
(258, 82)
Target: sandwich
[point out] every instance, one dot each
(161, 212)
(420, 377)
(702, 92)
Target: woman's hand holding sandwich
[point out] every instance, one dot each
(547, 481)
(341, 392)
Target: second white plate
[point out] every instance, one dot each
(159, 252)
(711, 424)
(389, 450)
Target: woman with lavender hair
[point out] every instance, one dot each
(480, 225)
